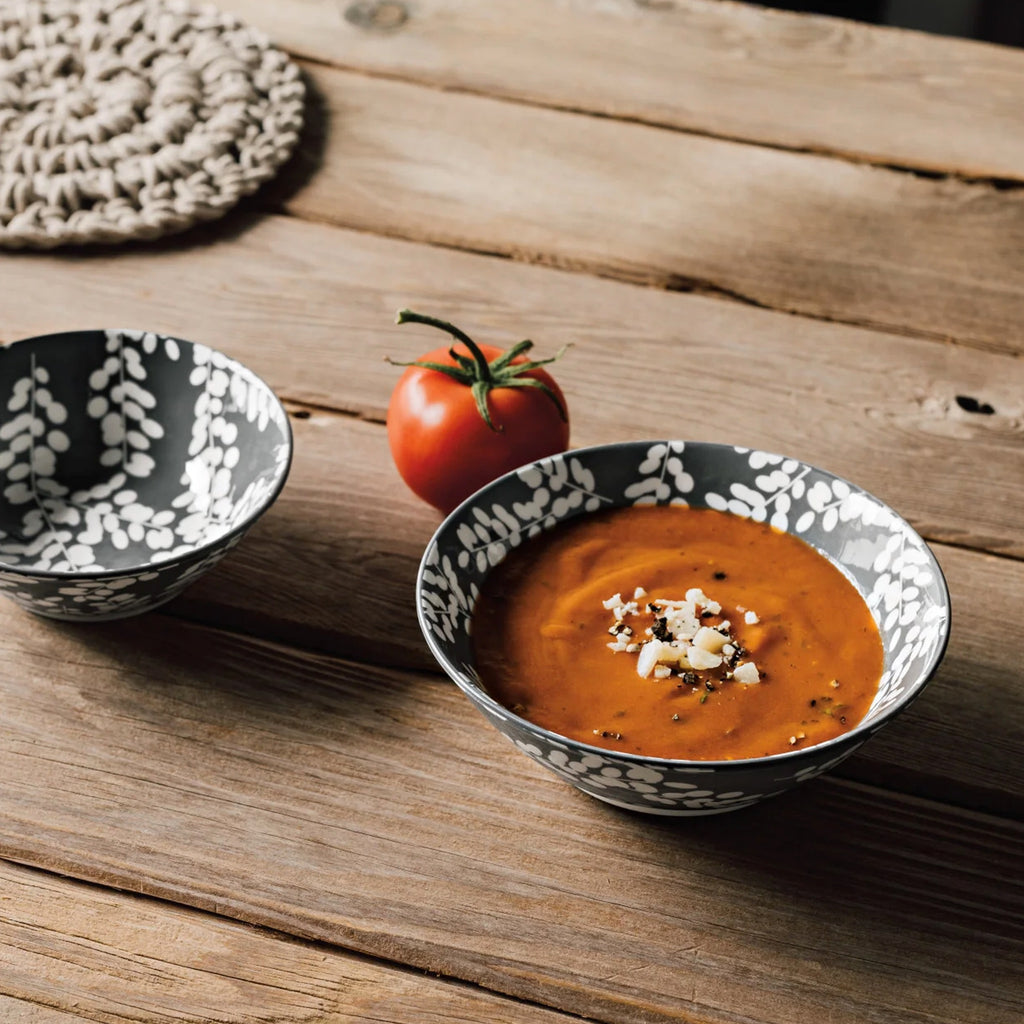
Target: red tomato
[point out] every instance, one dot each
(441, 443)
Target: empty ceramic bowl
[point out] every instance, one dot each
(887, 562)
(130, 463)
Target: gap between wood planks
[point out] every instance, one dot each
(418, 957)
(671, 282)
(302, 410)
(271, 942)
(1000, 184)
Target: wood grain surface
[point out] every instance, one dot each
(20, 1011)
(791, 231)
(312, 310)
(313, 573)
(725, 69)
(318, 587)
(264, 803)
(351, 804)
(77, 951)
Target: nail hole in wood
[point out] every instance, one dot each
(969, 404)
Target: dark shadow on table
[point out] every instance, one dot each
(153, 665)
(834, 866)
(289, 582)
(972, 763)
(994, 21)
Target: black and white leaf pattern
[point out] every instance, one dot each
(554, 489)
(34, 437)
(770, 496)
(122, 403)
(62, 514)
(664, 479)
(209, 504)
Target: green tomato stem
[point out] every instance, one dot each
(407, 316)
(479, 375)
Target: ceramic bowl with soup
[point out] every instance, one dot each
(681, 627)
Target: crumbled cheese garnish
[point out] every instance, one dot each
(750, 618)
(697, 596)
(709, 639)
(650, 654)
(746, 673)
(701, 659)
(680, 643)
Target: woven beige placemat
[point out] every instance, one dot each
(124, 119)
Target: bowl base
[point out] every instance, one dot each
(677, 812)
(102, 616)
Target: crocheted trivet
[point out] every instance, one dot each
(134, 118)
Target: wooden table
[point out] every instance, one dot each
(246, 807)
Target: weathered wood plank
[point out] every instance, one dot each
(790, 231)
(311, 308)
(377, 811)
(726, 69)
(314, 573)
(18, 1011)
(73, 951)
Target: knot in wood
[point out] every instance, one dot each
(377, 15)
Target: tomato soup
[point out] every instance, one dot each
(678, 633)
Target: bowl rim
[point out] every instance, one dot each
(200, 550)
(854, 738)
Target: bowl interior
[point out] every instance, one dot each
(120, 449)
(884, 558)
